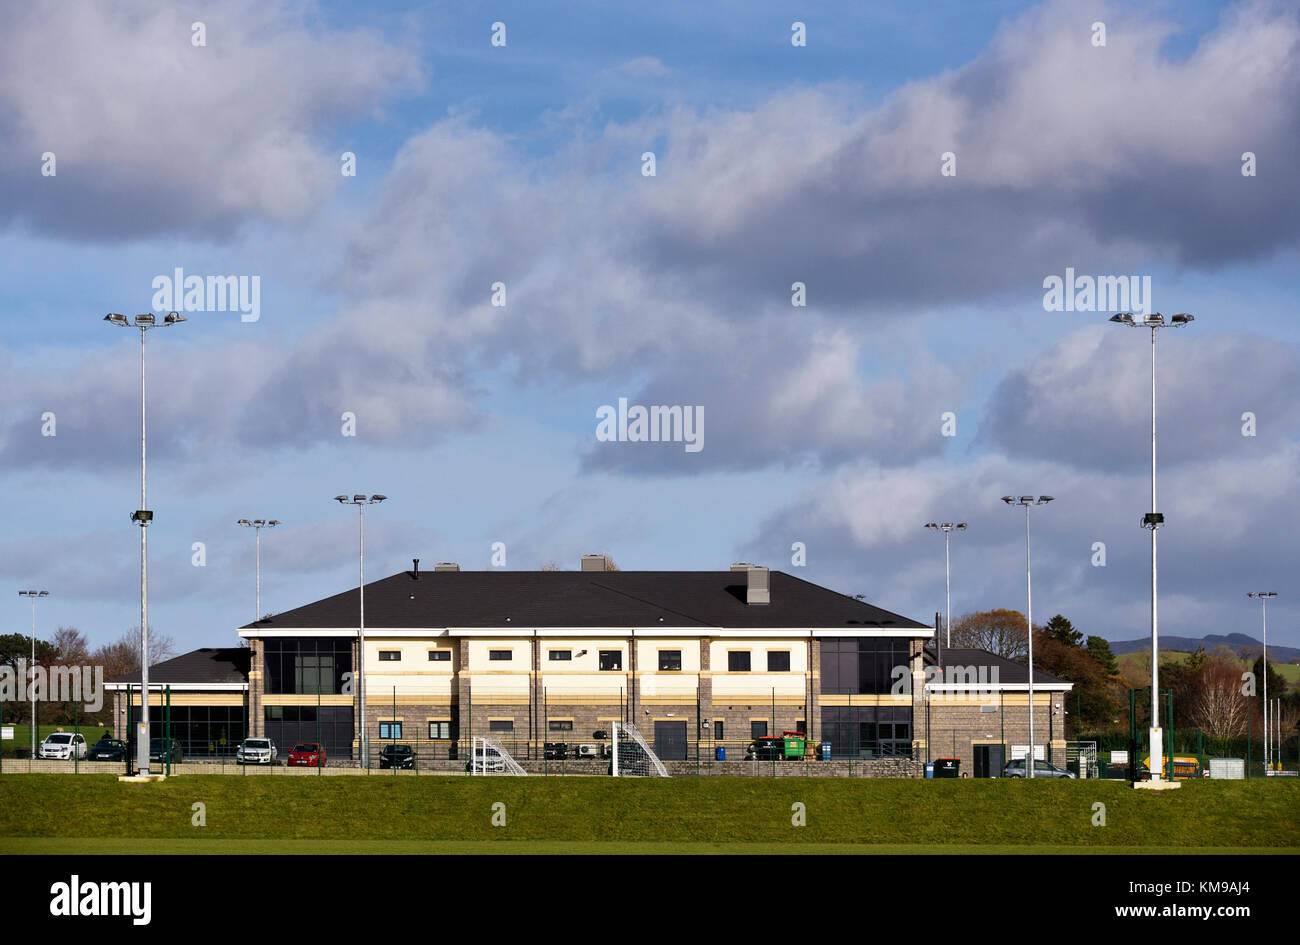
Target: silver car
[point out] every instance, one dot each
(1016, 769)
(63, 745)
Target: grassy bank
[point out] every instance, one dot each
(1203, 814)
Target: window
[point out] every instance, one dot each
(738, 661)
(611, 660)
(390, 729)
(306, 665)
(670, 661)
(778, 661)
(757, 729)
(501, 655)
(390, 656)
(863, 665)
(501, 725)
(440, 656)
(560, 725)
(717, 730)
(440, 730)
(557, 656)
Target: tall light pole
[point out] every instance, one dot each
(1263, 597)
(1153, 520)
(1029, 501)
(35, 596)
(361, 501)
(947, 528)
(143, 517)
(257, 525)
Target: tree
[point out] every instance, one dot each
(122, 656)
(1217, 704)
(1061, 630)
(1099, 649)
(1094, 689)
(998, 631)
(1276, 684)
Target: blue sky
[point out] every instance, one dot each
(774, 164)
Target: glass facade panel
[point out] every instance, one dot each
(868, 731)
(306, 665)
(852, 666)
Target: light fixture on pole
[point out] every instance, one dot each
(35, 596)
(143, 517)
(257, 525)
(361, 501)
(947, 528)
(1264, 597)
(1028, 501)
(1153, 520)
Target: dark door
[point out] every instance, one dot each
(988, 761)
(670, 741)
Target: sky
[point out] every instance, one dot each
(461, 254)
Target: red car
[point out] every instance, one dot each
(307, 755)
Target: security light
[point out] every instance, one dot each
(116, 319)
(143, 320)
(174, 317)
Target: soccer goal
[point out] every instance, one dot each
(489, 756)
(632, 757)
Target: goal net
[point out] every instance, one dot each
(489, 756)
(632, 757)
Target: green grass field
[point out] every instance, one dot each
(50, 813)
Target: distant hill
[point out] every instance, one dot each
(1233, 641)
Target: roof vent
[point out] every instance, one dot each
(593, 563)
(415, 568)
(758, 585)
(741, 566)
(446, 566)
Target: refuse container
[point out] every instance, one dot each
(947, 767)
(929, 769)
(826, 750)
(721, 753)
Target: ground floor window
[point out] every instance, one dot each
(331, 725)
(440, 729)
(868, 731)
(501, 725)
(757, 728)
(390, 729)
(203, 731)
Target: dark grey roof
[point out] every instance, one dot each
(1009, 671)
(208, 665)
(613, 599)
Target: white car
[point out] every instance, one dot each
(63, 745)
(257, 751)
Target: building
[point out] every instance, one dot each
(696, 660)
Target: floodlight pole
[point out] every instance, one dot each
(361, 501)
(1027, 501)
(1153, 520)
(35, 596)
(1262, 597)
(143, 517)
(257, 525)
(947, 528)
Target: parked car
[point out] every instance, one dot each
(1016, 769)
(397, 756)
(107, 749)
(257, 751)
(165, 749)
(486, 759)
(63, 745)
(307, 755)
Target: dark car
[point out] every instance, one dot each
(107, 749)
(397, 756)
(165, 749)
(307, 755)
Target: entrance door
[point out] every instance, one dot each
(670, 741)
(988, 761)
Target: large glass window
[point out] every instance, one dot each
(306, 665)
(331, 725)
(855, 665)
(868, 731)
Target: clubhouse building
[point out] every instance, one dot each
(697, 660)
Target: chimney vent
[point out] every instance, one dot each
(741, 566)
(415, 570)
(593, 563)
(446, 566)
(758, 585)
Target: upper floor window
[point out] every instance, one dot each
(390, 656)
(440, 656)
(778, 661)
(670, 661)
(501, 654)
(738, 661)
(611, 660)
(560, 655)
